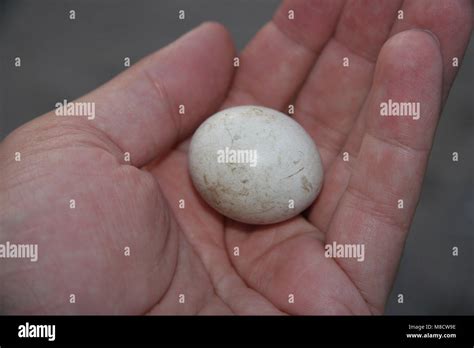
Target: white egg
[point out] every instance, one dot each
(255, 165)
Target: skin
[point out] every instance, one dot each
(190, 251)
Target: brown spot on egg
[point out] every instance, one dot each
(306, 184)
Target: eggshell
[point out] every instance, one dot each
(255, 165)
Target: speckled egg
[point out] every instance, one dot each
(255, 165)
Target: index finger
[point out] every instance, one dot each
(276, 62)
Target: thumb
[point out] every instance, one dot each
(141, 110)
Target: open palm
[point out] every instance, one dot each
(184, 259)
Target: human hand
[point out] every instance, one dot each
(190, 251)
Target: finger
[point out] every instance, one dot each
(335, 90)
(275, 63)
(450, 21)
(391, 163)
(139, 110)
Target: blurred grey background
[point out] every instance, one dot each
(63, 59)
